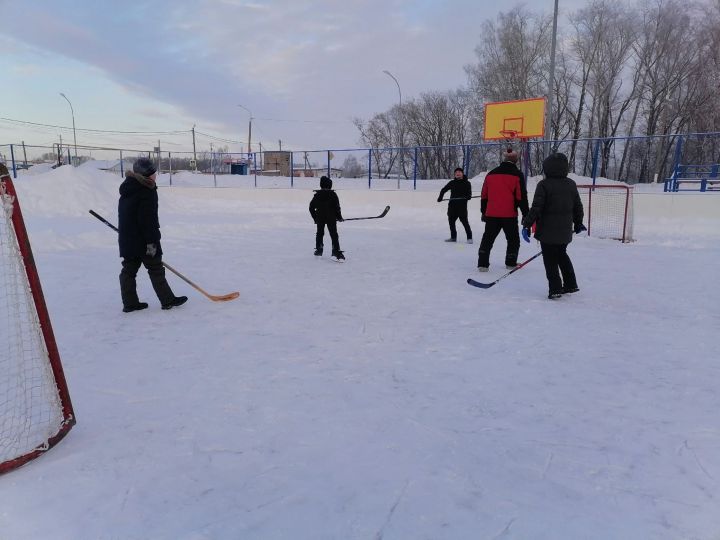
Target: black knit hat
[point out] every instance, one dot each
(144, 167)
(459, 169)
(325, 183)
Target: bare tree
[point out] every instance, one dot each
(652, 68)
(512, 56)
(668, 54)
(351, 168)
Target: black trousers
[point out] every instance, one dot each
(156, 271)
(332, 229)
(493, 226)
(557, 263)
(456, 212)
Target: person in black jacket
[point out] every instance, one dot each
(460, 193)
(558, 212)
(325, 210)
(139, 238)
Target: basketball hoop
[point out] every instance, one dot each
(510, 135)
(519, 120)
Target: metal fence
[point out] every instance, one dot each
(632, 160)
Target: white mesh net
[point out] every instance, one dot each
(30, 408)
(608, 211)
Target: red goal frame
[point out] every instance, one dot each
(8, 189)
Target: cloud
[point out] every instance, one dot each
(283, 59)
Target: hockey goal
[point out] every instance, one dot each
(608, 210)
(35, 408)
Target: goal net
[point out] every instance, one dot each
(608, 211)
(35, 407)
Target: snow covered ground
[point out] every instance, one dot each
(379, 399)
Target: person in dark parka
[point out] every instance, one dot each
(460, 193)
(139, 237)
(558, 212)
(325, 211)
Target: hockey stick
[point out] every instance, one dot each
(384, 213)
(214, 298)
(460, 198)
(488, 285)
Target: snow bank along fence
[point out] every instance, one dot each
(633, 159)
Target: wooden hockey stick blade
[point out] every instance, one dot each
(382, 215)
(214, 298)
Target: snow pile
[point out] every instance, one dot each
(66, 191)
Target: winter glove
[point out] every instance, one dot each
(341, 219)
(580, 228)
(482, 218)
(526, 234)
(439, 199)
(151, 250)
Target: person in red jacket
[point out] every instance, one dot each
(503, 192)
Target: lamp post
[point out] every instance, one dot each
(400, 127)
(249, 127)
(551, 83)
(72, 111)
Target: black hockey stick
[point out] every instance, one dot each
(488, 285)
(384, 213)
(459, 198)
(214, 298)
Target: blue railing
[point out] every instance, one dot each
(631, 159)
(694, 178)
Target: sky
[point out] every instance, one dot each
(304, 68)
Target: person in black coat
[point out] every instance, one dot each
(558, 212)
(139, 238)
(460, 193)
(325, 211)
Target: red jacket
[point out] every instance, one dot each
(501, 195)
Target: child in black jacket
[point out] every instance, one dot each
(325, 210)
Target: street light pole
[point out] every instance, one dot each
(249, 127)
(72, 111)
(551, 83)
(400, 126)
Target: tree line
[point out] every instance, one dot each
(646, 69)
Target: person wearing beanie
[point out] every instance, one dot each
(460, 193)
(504, 190)
(139, 238)
(558, 212)
(325, 211)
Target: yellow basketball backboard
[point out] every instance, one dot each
(522, 119)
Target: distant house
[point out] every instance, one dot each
(278, 164)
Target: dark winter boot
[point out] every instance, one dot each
(318, 252)
(338, 256)
(175, 302)
(554, 295)
(136, 307)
